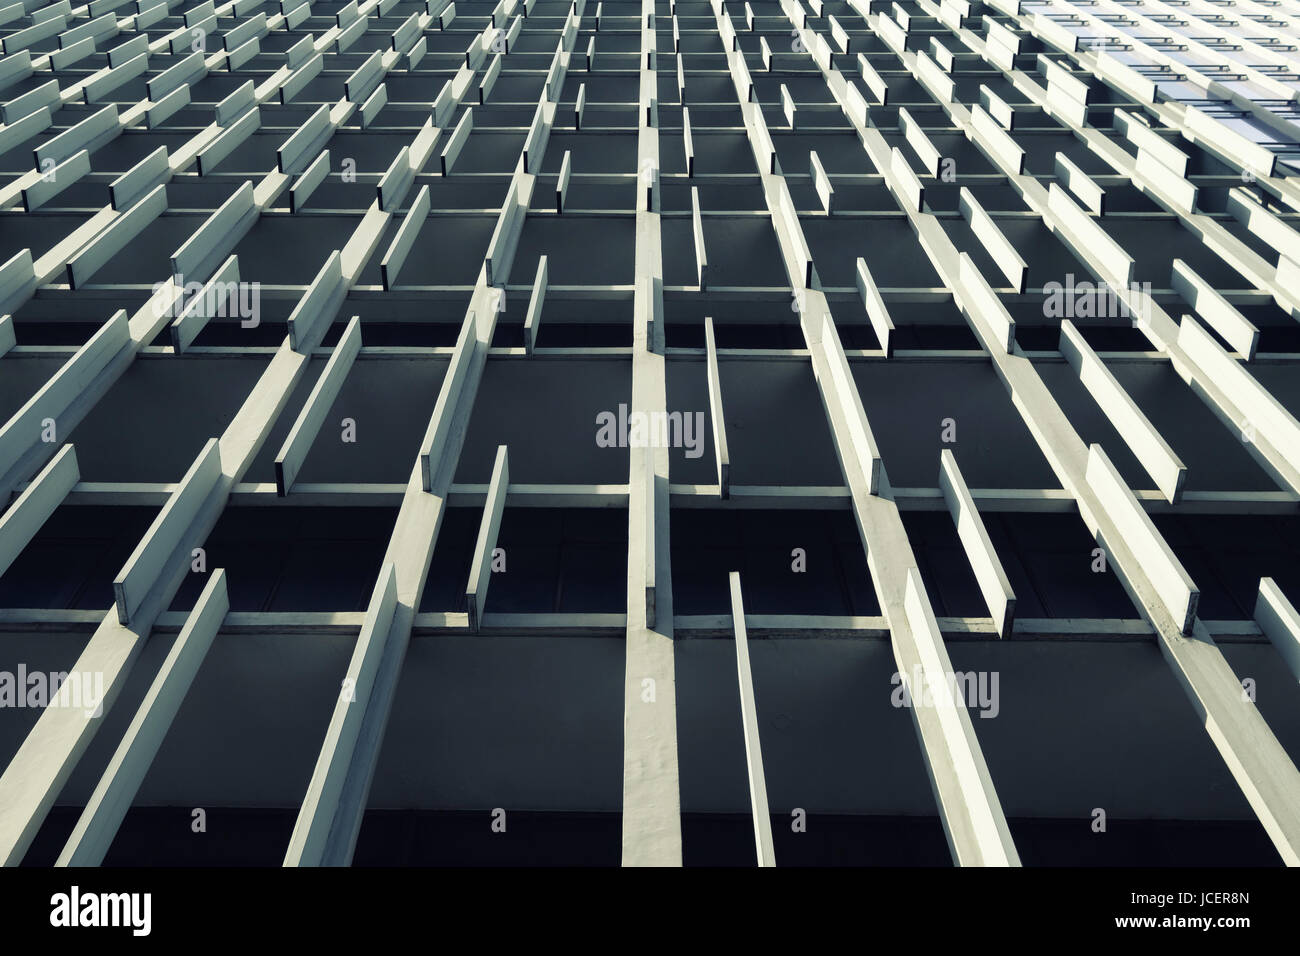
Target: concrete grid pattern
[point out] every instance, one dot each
(372, 360)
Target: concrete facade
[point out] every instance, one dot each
(553, 432)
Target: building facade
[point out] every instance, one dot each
(649, 433)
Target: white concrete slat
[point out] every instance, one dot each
(1218, 312)
(55, 180)
(995, 242)
(145, 564)
(309, 841)
(480, 566)
(212, 243)
(1280, 622)
(536, 299)
(983, 558)
(318, 305)
(308, 180)
(140, 179)
(206, 305)
(398, 250)
(298, 443)
(1172, 584)
(99, 822)
(114, 237)
(765, 853)
(1141, 437)
(721, 453)
(40, 499)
